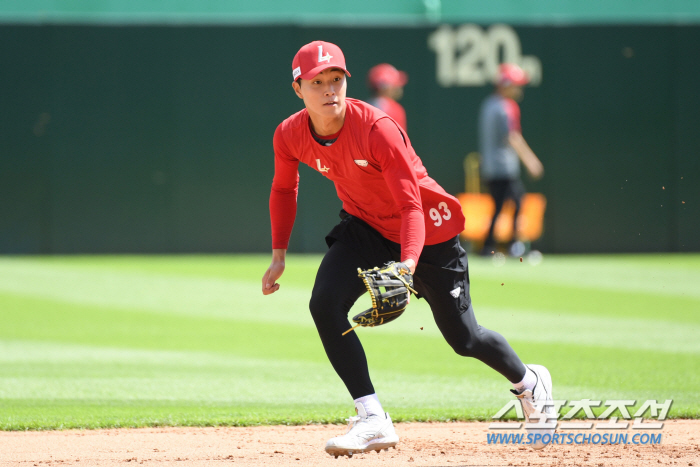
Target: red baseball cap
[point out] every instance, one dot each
(386, 75)
(511, 74)
(315, 57)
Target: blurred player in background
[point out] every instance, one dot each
(392, 211)
(503, 147)
(386, 84)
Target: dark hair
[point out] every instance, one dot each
(298, 81)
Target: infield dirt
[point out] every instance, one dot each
(422, 444)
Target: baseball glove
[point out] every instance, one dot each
(397, 281)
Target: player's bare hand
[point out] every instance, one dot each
(269, 281)
(411, 265)
(536, 169)
(274, 272)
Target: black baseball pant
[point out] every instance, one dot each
(501, 190)
(441, 269)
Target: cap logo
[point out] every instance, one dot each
(321, 57)
(296, 73)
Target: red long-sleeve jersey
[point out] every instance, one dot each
(392, 109)
(377, 175)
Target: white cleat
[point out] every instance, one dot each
(532, 402)
(365, 434)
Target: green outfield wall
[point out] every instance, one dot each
(159, 139)
(357, 12)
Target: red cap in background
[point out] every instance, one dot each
(511, 74)
(386, 75)
(315, 57)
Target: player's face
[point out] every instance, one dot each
(514, 92)
(324, 94)
(397, 93)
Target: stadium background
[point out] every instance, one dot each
(147, 128)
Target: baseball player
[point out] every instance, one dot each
(392, 211)
(386, 84)
(502, 149)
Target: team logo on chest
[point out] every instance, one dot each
(318, 162)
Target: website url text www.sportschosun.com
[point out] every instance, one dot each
(574, 438)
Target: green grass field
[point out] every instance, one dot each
(126, 341)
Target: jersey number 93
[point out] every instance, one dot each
(437, 217)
